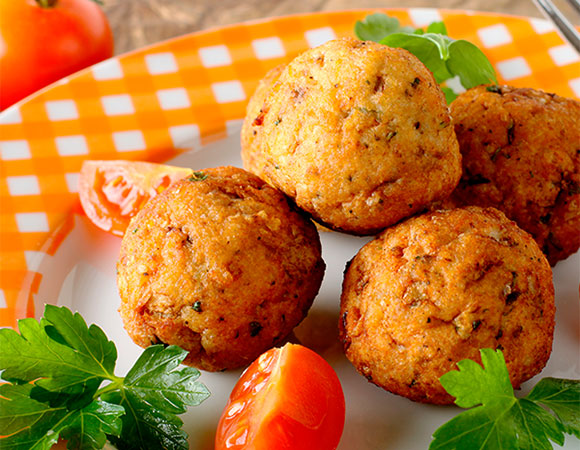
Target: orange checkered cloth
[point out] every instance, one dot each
(165, 99)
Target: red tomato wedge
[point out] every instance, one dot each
(290, 398)
(111, 192)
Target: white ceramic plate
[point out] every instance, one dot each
(82, 276)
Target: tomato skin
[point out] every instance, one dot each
(290, 398)
(112, 192)
(41, 45)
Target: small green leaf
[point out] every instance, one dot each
(89, 427)
(34, 425)
(86, 340)
(449, 94)
(493, 379)
(423, 48)
(377, 26)
(153, 392)
(34, 355)
(437, 27)
(474, 429)
(27, 423)
(497, 419)
(562, 397)
(536, 426)
(55, 368)
(155, 379)
(442, 42)
(145, 426)
(470, 64)
(446, 58)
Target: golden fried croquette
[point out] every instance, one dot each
(220, 264)
(435, 289)
(521, 154)
(357, 133)
(249, 135)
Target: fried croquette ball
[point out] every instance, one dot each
(250, 136)
(436, 288)
(219, 264)
(357, 133)
(521, 154)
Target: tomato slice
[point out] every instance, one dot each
(289, 398)
(111, 192)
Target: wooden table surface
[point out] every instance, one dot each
(137, 23)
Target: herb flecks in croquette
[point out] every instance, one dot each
(510, 132)
(255, 328)
(495, 153)
(573, 188)
(494, 88)
(197, 306)
(197, 176)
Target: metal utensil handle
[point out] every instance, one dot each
(562, 24)
(575, 4)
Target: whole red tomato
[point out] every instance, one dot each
(42, 41)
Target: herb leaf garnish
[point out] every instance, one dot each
(445, 57)
(55, 369)
(500, 421)
(378, 26)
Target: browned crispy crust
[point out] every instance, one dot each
(221, 265)
(435, 289)
(521, 154)
(357, 133)
(249, 136)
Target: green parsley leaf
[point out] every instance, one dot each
(562, 397)
(55, 369)
(154, 378)
(445, 57)
(89, 427)
(500, 421)
(30, 424)
(145, 426)
(152, 388)
(50, 352)
(494, 379)
(27, 423)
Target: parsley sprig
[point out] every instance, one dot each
(445, 57)
(497, 419)
(61, 383)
